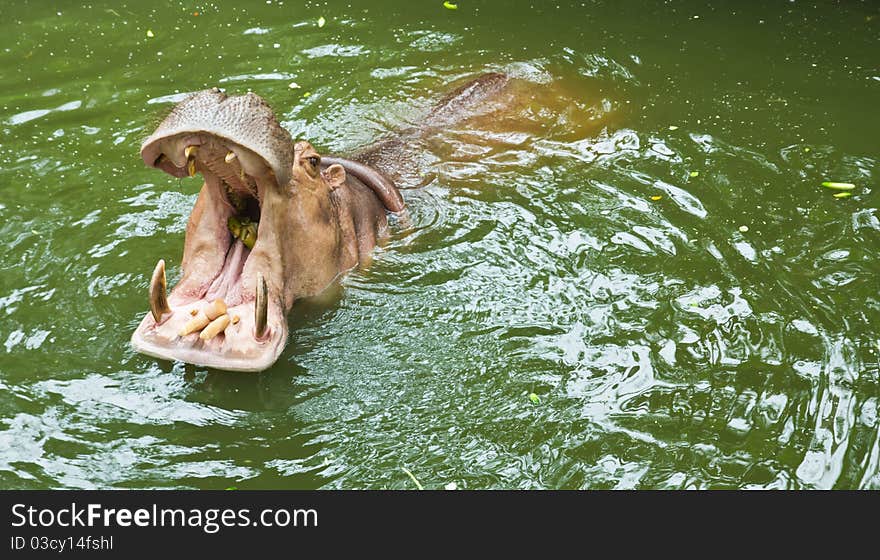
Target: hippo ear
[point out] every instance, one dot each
(334, 175)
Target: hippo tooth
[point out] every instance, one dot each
(197, 323)
(261, 307)
(190, 153)
(217, 326)
(229, 157)
(158, 298)
(216, 309)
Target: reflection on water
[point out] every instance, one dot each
(690, 307)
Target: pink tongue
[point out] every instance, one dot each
(227, 284)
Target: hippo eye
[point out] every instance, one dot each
(314, 160)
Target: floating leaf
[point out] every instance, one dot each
(842, 195)
(806, 149)
(656, 197)
(534, 398)
(293, 85)
(744, 229)
(450, 6)
(673, 127)
(232, 488)
(839, 186)
(695, 173)
(306, 94)
(321, 21)
(150, 33)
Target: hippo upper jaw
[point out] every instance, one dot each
(245, 122)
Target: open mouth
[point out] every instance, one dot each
(264, 231)
(226, 311)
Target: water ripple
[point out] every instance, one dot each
(659, 267)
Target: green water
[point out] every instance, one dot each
(666, 347)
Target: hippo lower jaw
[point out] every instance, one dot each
(248, 336)
(236, 349)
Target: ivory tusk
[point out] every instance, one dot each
(190, 153)
(261, 307)
(158, 297)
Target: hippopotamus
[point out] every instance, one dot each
(275, 221)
